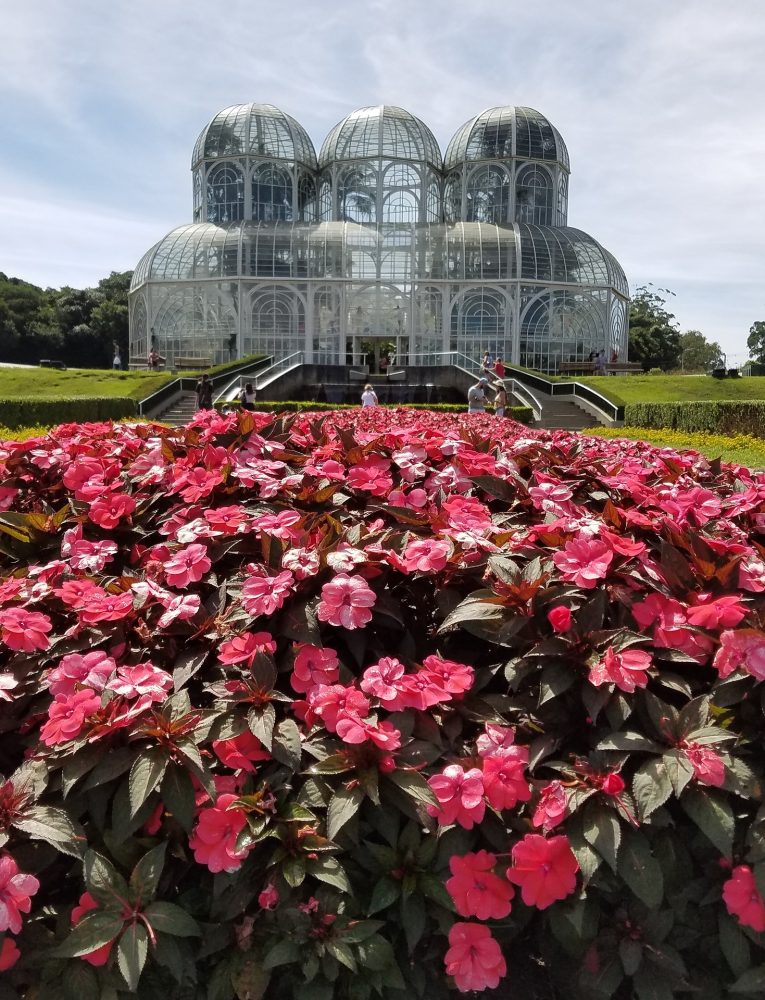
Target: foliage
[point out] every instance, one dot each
(654, 333)
(697, 354)
(26, 412)
(724, 416)
(76, 326)
(523, 414)
(743, 449)
(674, 388)
(379, 703)
(756, 341)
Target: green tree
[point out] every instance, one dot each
(697, 354)
(756, 341)
(654, 333)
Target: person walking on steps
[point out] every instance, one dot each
(204, 393)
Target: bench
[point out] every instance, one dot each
(193, 363)
(48, 363)
(136, 364)
(576, 368)
(624, 368)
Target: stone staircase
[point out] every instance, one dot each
(559, 413)
(181, 411)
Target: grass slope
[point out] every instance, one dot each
(623, 389)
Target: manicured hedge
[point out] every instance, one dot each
(523, 414)
(25, 412)
(710, 416)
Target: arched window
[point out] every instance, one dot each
(478, 324)
(198, 183)
(225, 193)
(357, 195)
(402, 187)
(453, 198)
(533, 196)
(271, 194)
(562, 199)
(433, 210)
(277, 324)
(487, 198)
(307, 206)
(325, 200)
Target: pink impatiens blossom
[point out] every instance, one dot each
(495, 740)
(452, 677)
(382, 680)
(16, 888)
(476, 890)
(213, 839)
(302, 563)
(560, 618)
(181, 607)
(99, 956)
(708, 766)
(544, 868)
(240, 752)
(669, 618)
(715, 613)
(268, 898)
(743, 899)
(504, 781)
(426, 555)
(263, 594)
(9, 954)
(371, 475)
(354, 730)
(67, 715)
(332, 701)
(743, 649)
(7, 683)
(83, 555)
(187, 565)
(346, 601)
(552, 806)
(460, 796)
(24, 631)
(474, 958)
(91, 670)
(584, 561)
(142, 681)
(627, 669)
(245, 647)
(110, 507)
(314, 665)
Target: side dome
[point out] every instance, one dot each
(260, 130)
(198, 250)
(377, 133)
(506, 133)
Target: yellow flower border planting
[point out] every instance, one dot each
(742, 449)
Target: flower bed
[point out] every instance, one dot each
(378, 703)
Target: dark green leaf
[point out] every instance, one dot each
(80, 982)
(631, 955)
(434, 889)
(261, 722)
(651, 787)
(342, 953)
(293, 870)
(145, 775)
(733, 944)
(555, 680)
(250, 981)
(343, 805)
(131, 954)
(752, 981)
(679, 770)
(283, 953)
(629, 741)
(286, 746)
(187, 663)
(413, 919)
(713, 816)
(653, 984)
(94, 930)
(640, 870)
(103, 881)
(171, 919)
(329, 870)
(144, 878)
(601, 828)
(385, 892)
(54, 826)
(177, 793)
(415, 786)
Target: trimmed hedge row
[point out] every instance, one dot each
(523, 414)
(724, 416)
(22, 411)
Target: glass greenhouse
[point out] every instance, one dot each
(379, 238)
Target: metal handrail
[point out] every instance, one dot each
(526, 396)
(188, 382)
(263, 377)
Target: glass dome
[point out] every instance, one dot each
(504, 133)
(260, 130)
(382, 132)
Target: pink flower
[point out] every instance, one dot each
(100, 606)
(708, 767)
(372, 476)
(612, 784)
(67, 715)
(504, 781)
(100, 956)
(466, 514)
(263, 594)
(281, 525)
(9, 954)
(213, 839)
(245, 647)
(495, 740)
(24, 631)
(346, 602)
(303, 563)
(460, 796)
(474, 958)
(452, 677)
(713, 613)
(331, 701)
(110, 507)
(668, 617)
(181, 607)
(552, 806)
(382, 680)
(426, 555)
(476, 890)
(187, 566)
(314, 665)
(743, 899)
(227, 520)
(16, 888)
(144, 680)
(7, 683)
(353, 730)
(584, 561)
(545, 869)
(92, 670)
(627, 670)
(741, 650)
(419, 691)
(85, 556)
(560, 618)
(240, 751)
(269, 897)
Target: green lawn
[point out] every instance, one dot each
(623, 389)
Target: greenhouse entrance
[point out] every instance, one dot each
(379, 354)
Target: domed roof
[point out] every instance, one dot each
(254, 130)
(382, 132)
(501, 133)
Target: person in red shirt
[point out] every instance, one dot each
(499, 368)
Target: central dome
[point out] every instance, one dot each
(506, 132)
(382, 132)
(260, 130)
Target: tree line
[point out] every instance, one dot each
(78, 326)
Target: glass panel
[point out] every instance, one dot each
(478, 322)
(271, 194)
(533, 195)
(357, 194)
(487, 198)
(225, 193)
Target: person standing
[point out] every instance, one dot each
(247, 397)
(500, 400)
(486, 362)
(368, 397)
(600, 363)
(499, 368)
(477, 396)
(117, 360)
(204, 393)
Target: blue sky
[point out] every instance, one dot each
(661, 104)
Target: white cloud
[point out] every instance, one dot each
(659, 103)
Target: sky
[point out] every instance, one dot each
(660, 102)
